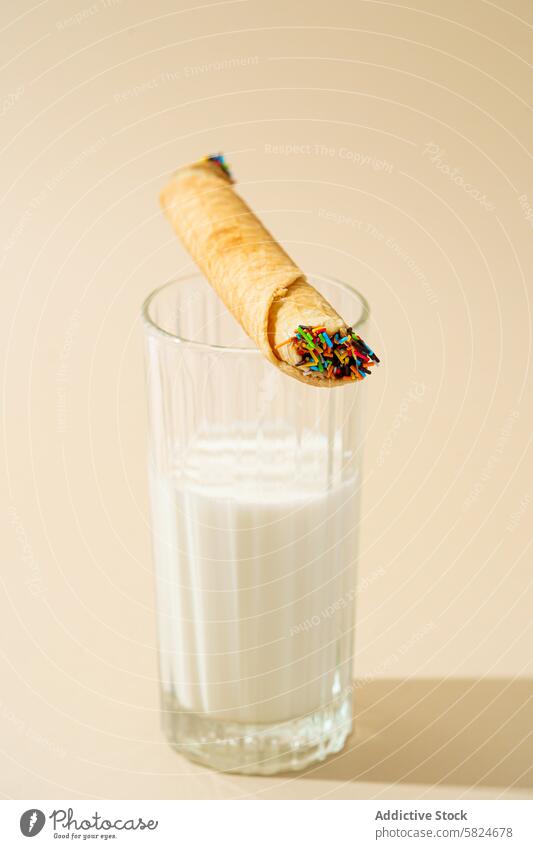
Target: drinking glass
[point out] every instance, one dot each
(255, 483)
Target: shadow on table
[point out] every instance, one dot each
(431, 731)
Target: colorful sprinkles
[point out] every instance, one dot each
(218, 158)
(344, 357)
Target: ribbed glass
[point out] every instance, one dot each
(255, 481)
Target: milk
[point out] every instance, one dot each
(255, 561)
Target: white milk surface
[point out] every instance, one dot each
(255, 580)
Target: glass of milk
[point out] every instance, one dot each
(255, 482)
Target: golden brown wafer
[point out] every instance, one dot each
(255, 278)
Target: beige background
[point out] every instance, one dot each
(344, 122)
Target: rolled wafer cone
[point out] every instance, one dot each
(255, 278)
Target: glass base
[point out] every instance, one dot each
(258, 749)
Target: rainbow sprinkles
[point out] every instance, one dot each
(341, 356)
(220, 160)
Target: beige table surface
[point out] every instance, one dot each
(386, 143)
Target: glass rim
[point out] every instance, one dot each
(153, 327)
